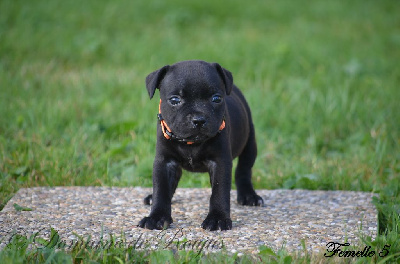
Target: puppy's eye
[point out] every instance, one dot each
(216, 99)
(175, 100)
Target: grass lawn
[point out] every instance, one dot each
(322, 79)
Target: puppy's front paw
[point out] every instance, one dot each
(159, 223)
(250, 200)
(213, 223)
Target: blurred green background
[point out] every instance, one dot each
(322, 79)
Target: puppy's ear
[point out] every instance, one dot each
(226, 77)
(154, 79)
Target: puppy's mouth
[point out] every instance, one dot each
(197, 138)
(199, 134)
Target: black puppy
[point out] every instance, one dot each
(205, 123)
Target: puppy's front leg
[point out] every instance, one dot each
(219, 212)
(165, 179)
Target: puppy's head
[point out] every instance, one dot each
(192, 97)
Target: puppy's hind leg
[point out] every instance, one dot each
(148, 199)
(245, 191)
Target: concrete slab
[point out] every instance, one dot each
(288, 217)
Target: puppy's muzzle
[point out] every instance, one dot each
(198, 121)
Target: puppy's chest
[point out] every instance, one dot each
(193, 161)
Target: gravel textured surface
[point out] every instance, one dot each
(288, 216)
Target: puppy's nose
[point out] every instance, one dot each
(198, 121)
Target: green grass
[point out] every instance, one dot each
(322, 79)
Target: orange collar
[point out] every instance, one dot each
(168, 133)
